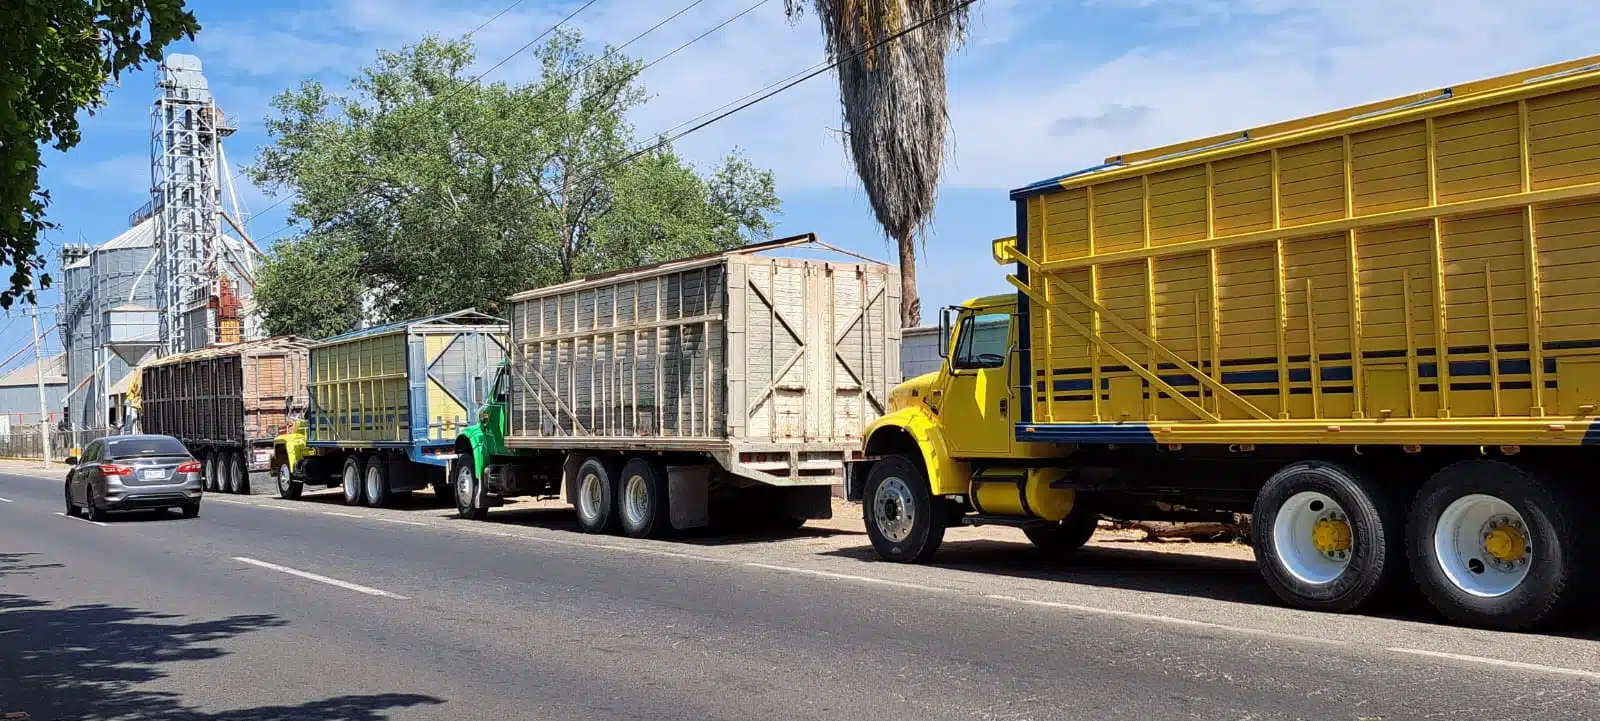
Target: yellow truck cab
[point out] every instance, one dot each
(1371, 331)
(953, 432)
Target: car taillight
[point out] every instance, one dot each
(112, 469)
(189, 467)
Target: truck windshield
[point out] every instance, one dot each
(983, 341)
(497, 392)
(139, 447)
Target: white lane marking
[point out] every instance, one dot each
(322, 579)
(1174, 620)
(85, 520)
(279, 506)
(1499, 662)
(849, 577)
(397, 520)
(234, 502)
(6, 500)
(341, 515)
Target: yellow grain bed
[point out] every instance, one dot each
(1424, 270)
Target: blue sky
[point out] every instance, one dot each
(1042, 87)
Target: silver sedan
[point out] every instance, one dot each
(119, 473)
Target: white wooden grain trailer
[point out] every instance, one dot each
(653, 394)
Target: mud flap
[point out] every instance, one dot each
(689, 496)
(809, 502)
(855, 478)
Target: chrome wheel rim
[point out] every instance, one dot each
(374, 484)
(285, 478)
(1483, 545)
(589, 497)
(464, 481)
(352, 484)
(1300, 537)
(893, 509)
(636, 501)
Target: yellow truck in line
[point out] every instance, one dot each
(1376, 330)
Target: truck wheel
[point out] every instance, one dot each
(288, 488)
(375, 488)
(597, 496)
(1069, 534)
(644, 499)
(466, 487)
(1327, 538)
(1496, 546)
(351, 480)
(238, 473)
(905, 522)
(210, 472)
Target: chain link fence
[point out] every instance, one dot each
(24, 442)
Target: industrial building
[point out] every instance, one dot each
(174, 281)
(19, 393)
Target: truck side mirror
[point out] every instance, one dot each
(71, 460)
(945, 315)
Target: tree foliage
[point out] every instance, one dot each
(422, 192)
(893, 96)
(56, 57)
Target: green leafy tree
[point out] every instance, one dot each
(56, 57)
(422, 192)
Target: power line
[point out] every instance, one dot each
(763, 94)
(497, 16)
(518, 51)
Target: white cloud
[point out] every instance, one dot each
(118, 174)
(1252, 62)
(1032, 94)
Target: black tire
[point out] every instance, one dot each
(1552, 520)
(647, 515)
(92, 510)
(894, 483)
(240, 473)
(1062, 538)
(466, 487)
(72, 508)
(288, 488)
(375, 491)
(350, 481)
(597, 503)
(1375, 558)
(190, 511)
(209, 471)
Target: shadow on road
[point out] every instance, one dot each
(88, 661)
(1217, 579)
(732, 532)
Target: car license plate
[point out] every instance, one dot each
(155, 474)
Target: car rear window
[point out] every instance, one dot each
(136, 447)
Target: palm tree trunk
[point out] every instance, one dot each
(910, 302)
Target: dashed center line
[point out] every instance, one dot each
(85, 520)
(1149, 617)
(370, 591)
(6, 500)
(1498, 662)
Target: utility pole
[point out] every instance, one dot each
(38, 369)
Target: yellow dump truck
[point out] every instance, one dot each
(1376, 330)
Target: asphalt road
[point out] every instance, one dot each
(267, 609)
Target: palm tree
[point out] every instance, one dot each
(890, 56)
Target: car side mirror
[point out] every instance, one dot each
(71, 460)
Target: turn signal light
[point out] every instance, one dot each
(112, 469)
(190, 467)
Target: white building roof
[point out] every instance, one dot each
(55, 374)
